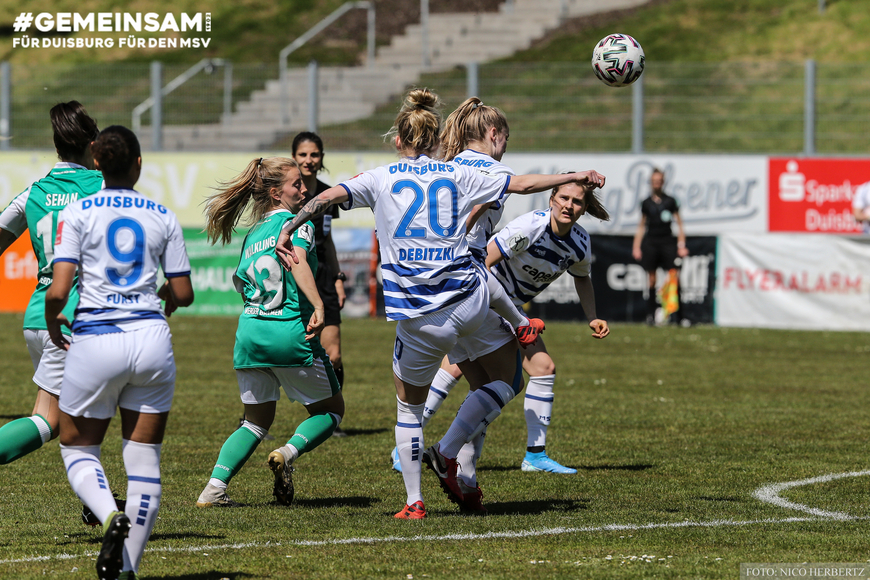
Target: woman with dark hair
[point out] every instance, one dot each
(37, 209)
(432, 287)
(308, 153)
(118, 239)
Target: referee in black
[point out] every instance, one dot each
(654, 243)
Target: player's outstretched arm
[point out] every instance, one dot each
(533, 183)
(315, 207)
(56, 298)
(586, 294)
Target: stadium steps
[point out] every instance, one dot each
(352, 93)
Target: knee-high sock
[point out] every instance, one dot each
(442, 384)
(88, 478)
(313, 431)
(538, 409)
(651, 302)
(409, 443)
(142, 462)
(467, 458)
(235, 452)
(502, 304)
(22, 436)
(480, 408)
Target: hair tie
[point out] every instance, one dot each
(259, 161)
(475, 105)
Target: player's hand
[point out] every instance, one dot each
(636, 254)
(591, 177)
(315, 325)
(54, 332)
(165, 294)
(599, 328)
(682, 252)
(284, 250)
(342, 295)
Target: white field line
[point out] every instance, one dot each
(768, 494)
(448, 537)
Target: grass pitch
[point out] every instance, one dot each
(672, 430)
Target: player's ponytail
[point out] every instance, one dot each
(471, 121)
(225, 209)
(73, 130)
(418, 123)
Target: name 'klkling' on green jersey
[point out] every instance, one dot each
(271, 331)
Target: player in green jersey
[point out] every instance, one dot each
(37, 209)
(276, 342)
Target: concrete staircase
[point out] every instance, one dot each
(351, 93)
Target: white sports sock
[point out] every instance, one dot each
(142, 462)
(481, 407)
(538, 409)
(467, 459)
(502, 304)
(409, 442)
(88, 478)
(442, 384)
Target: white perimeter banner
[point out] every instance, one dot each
(717, 193)
(800, 281)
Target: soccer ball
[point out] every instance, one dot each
(618, 60)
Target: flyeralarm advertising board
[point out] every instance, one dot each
(814, 195)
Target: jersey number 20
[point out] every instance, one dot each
(430, 197)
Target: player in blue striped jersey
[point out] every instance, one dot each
(431, 285)
(526, 256)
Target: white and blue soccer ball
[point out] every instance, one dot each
(618, 60)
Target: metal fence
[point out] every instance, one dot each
(757, 107)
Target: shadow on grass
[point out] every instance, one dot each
(13, 417)
(351, 432)
(321, 502)
(205, 576)
(602, 467)
(505, 508)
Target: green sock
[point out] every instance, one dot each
(235, 452)
(21, 436)
(313, 431)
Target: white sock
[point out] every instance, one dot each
(142, 462)
(481, 407)
(409, 442)
(538, 409)
(467, 458)
(502, 304)
(442, 384)
(88, 478)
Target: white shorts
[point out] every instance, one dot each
(494, 333)
(304, 385)
(134, 369)
(421, 343)
(48, 360)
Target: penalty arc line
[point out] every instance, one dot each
(770, 494)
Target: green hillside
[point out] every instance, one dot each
(721, 75)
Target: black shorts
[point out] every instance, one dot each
(658, 253)
(331, 309)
